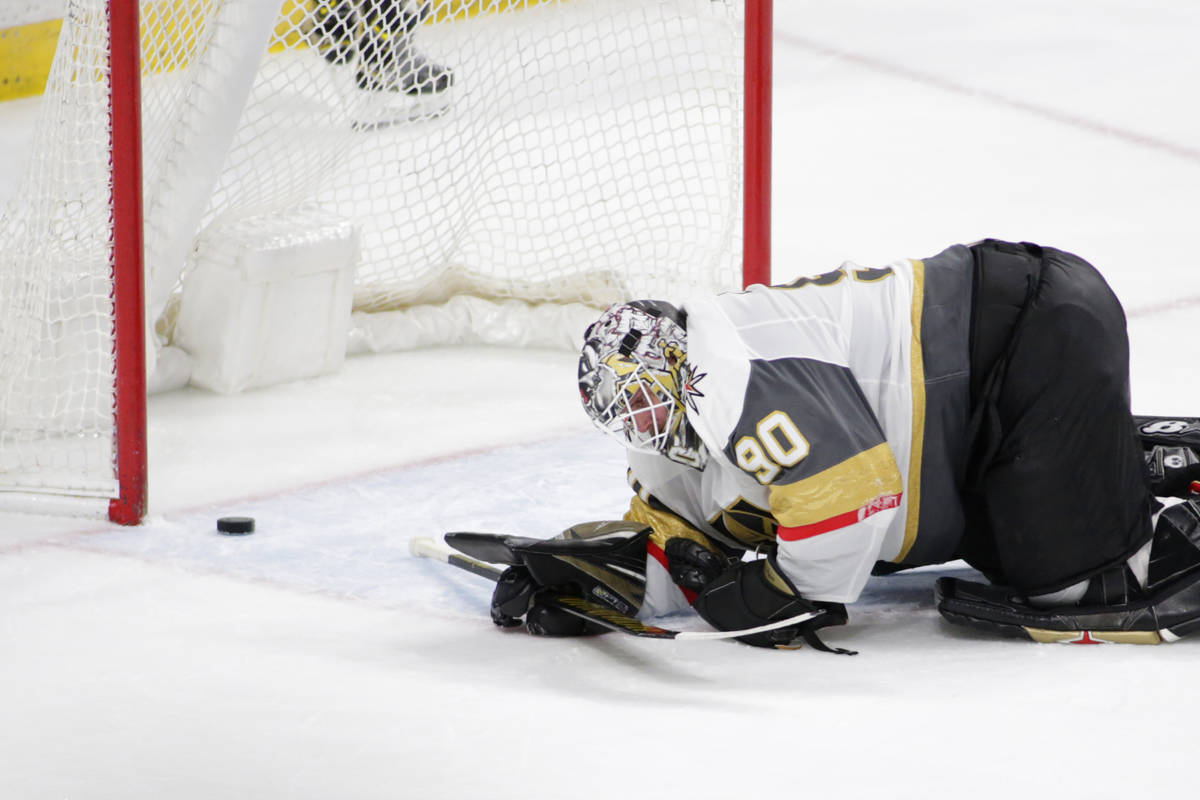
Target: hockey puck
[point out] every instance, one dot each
(235, 526)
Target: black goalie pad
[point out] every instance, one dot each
(995, 609)
(1165, 609)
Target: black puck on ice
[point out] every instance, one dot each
(235, 526)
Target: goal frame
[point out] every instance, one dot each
(129, 306)
(130, 403)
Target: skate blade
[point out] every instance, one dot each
(403, 112)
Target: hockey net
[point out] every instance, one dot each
(494, 170)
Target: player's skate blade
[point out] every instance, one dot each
(401, 109)
(1169, 614)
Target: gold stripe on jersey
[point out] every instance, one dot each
(664, 524)
(746, 523)
(916, 446)
(840, 489)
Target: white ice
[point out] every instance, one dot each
(316, 659)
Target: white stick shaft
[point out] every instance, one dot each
(783, 623)
(425, 547)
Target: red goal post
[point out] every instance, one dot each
(129, 326)
(666, 173)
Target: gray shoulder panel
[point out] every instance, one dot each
(824, 402)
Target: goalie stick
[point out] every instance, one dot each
(425, 547)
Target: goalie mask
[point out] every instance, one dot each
(634, 379)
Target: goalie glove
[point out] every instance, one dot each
(517, 601)
(754, 593)
(692, 565)
(604, 562)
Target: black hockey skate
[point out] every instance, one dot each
(1114, 609)
(390, 62)
(408, 72)
(399, 84)
(410, 88)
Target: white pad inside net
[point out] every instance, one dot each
(509, 166)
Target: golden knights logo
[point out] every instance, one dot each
(689, 382)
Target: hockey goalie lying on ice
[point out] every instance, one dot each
(787, 442)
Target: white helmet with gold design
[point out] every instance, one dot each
(634, 379)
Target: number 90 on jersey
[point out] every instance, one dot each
(777, 443)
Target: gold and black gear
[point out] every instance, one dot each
(601, 562)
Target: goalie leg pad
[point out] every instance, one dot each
(996, 610)
(1165, 609)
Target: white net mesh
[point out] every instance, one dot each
(540, 151)
(55, 287)
(585, 150)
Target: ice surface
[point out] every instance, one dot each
(316, 659)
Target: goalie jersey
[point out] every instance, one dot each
(835, 411)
